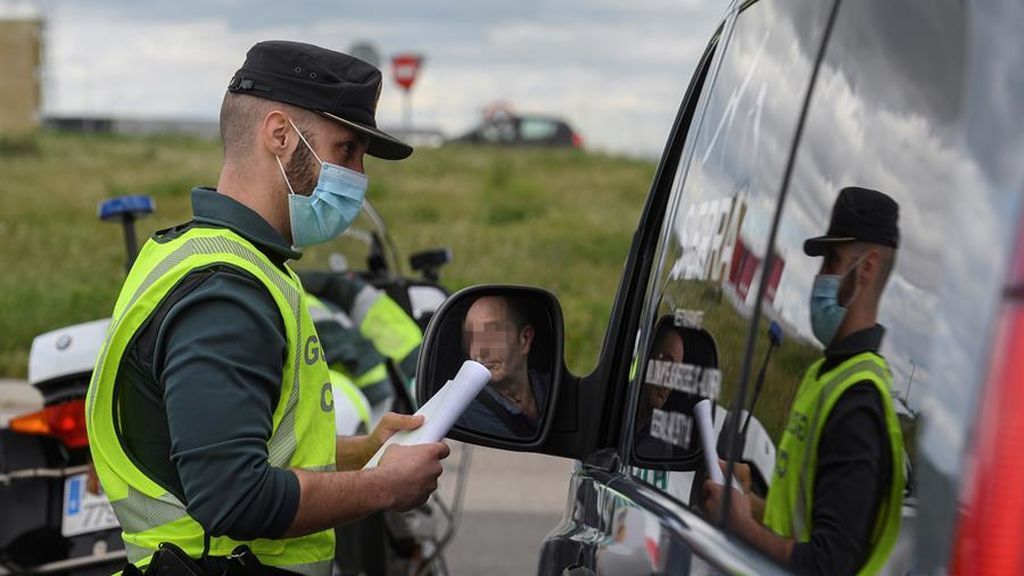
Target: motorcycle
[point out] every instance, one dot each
(56, 521)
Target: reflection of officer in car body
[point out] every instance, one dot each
(836, 495)
(498, 334)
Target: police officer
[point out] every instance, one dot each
(834, 503)
(210, 412)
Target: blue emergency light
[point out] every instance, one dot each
(132, 206)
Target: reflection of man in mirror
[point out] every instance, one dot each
(668, 347)
(498, 334)
(835, 499)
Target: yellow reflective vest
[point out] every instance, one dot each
(788, 507)
(303, 421)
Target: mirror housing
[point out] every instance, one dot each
(533, 343)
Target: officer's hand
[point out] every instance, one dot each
(739, 514)
(389, 425)
(740, 472)
(411, 472)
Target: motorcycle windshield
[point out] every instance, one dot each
(365, 248)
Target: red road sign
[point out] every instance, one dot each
(405, 67)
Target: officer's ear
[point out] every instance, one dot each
(867, 275)
(277, 135)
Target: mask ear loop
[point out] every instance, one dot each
(283, 173)
(856, 291)
(306, 142)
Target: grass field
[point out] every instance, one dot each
(560, 219)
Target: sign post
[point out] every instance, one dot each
(405, 68)
(366, 52)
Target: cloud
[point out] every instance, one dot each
(944, 140)
(617, 73)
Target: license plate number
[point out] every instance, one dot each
(84, 512)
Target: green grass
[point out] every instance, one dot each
(559, 219)
(785, 370)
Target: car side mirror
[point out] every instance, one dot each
(516, 333)
(679, 370)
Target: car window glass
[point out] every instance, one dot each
(537, 129)
(886, 116)
(501, 130)
(714, 238)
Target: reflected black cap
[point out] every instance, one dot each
(859, 214)
(341, 87)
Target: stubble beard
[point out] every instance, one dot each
(301, 171)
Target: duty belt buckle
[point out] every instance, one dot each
(242, 562)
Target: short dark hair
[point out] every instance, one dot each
(664, 328)
(518, 311)
(240, 114)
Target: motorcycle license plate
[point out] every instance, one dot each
(84, 512)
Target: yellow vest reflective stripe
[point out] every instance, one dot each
(303, 421)
(382, 321)
(788, 507)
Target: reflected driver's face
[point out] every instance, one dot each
(668, 348)
(492, 338)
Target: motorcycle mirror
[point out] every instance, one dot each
(337, 262)
(428, 262)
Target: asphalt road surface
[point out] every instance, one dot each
(512, 501)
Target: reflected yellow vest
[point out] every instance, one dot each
(303, 421)
(788, 506)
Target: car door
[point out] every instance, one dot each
(884, 112)
(793, 101)
(630, 508)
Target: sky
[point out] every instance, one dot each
(616, 71)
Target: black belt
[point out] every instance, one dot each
(170, 560)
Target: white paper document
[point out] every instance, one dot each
(706, 427)
(442, 410)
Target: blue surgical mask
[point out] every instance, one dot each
(826, 313)
(331, 208)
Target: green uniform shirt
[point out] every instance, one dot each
(201, 381)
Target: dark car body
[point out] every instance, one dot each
(508, 129)
(792, 101)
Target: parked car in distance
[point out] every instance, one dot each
(791, 102)
(505, 128)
